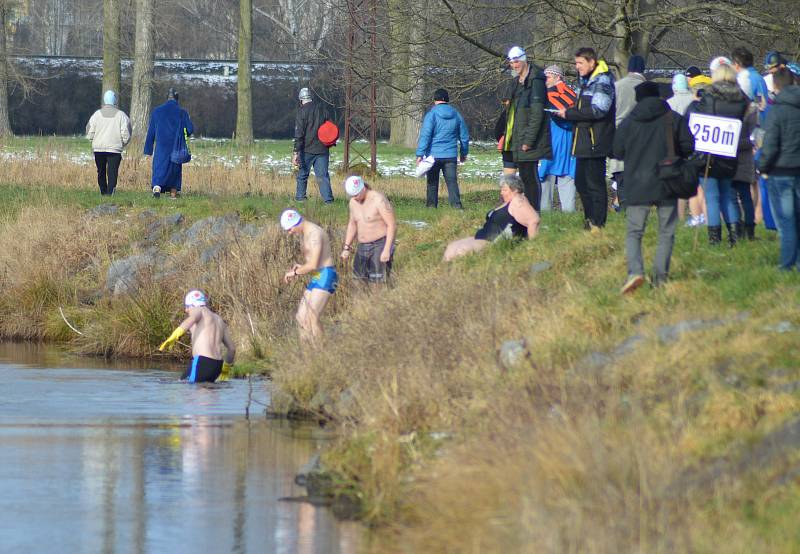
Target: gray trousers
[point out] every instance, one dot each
(566, 192)
(667, 211)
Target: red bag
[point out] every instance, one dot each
(328, 133)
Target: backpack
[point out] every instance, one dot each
(678, 176)
(328, 133)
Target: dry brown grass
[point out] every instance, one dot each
(52, 257)
(211, 178)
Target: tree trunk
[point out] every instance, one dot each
(244, 91)
(5, 124)
(111, 42)
(408, 87)
(142, 90)
(400, 24)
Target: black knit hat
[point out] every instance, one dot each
(441, 95)
(648, 89)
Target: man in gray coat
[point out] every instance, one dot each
(626, 101)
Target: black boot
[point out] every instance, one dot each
(739, 230)
(714, 235)
(750, 231)
(731, 235)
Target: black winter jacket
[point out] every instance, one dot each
(306, 124)
(641, 142)
(723, 99)
(780, 152)
(531, 122)
(594, 115)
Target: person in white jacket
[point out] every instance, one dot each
(109, 129)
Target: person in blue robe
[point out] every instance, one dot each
(168, 123)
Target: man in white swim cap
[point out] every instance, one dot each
(318, 263)
(209, 333)
(372, 221)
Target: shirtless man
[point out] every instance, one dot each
(372, 221)
(209, 333)
(318, 263)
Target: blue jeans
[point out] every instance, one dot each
(448, 167)
(742, 190)
(766, 211)
(320, 164)
(719, 198)
(784, 199)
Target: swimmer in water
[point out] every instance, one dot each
(319, 264)
(209, 333)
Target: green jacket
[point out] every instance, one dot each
(527, 120)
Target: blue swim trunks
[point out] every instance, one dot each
(326, 279)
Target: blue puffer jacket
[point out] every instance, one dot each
(442, 129)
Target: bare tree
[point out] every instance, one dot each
(304, 25)
(5, 123)
(142, 89)
(244, 91)
(112, 70)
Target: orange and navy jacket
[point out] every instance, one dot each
(561, 96)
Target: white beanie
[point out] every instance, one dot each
(353, 185)
(110, 98)
(290, 218)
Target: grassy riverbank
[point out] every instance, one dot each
(660, 422)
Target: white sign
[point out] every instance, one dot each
(715, 135)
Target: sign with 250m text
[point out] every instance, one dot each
(715, 135)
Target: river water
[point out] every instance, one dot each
(101, 457)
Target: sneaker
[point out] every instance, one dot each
(701, 219)
(594, 229)
(173, 194)
(156, 192)
(693, 221)
(633, 283)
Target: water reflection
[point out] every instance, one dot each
(128, 461)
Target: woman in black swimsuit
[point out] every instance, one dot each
(514, 218)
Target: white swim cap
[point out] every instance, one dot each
(194, 299)
(353, 185)
(290, 218)
(516, 54)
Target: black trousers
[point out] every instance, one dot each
(107, 170)
(590, 181)
(529, 174)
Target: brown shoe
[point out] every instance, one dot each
(633, 283)
(173, 193)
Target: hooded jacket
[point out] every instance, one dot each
(680, 100)
(530, 123)
(594, 115)
(442, 130)
(109, 129)
(723, 99)
(641, 142)
(780, 151)
(310, 116)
